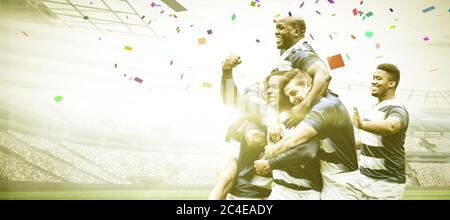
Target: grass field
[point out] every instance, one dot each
(416, 194)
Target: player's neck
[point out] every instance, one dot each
(389, 95)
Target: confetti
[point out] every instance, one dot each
(303, 3)
(257, 40)
(369, 34)
(426, 38)
(24, 33)
(58, 98)
(318, 12)
(85, 17)
(202, 41)
(334, 14)
(361, 2)
(353, 36)
(390, 9)
(348, 57)
(290, 14)
(161, 12)
(392, 27)
(128, 48)
(253, 3)
(311, 36)
(154, 5)
(369, 14)
(209, 31)
(317, 1)
(171, 62)
(143, 16)
(377, 46)
(335, 61)
(233, 17)
(330, 37)
(115, 65)
(355, 12)
(181, 76)
(207, 85)
(378, 57)
(331, 1)
(434, 70)
(428, 9)
(137, 79)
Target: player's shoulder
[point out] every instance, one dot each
(327, 103)
(393, 104)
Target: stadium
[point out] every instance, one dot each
(114, 99)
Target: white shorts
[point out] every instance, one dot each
(374, 189)
(341, 186)
(233, 197)
(280, 192)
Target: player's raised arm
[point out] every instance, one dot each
(228, 90)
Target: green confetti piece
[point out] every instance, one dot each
(369, 34)
(392, 27)
(318, 12)
(58, 98)
(253, 3)
(233, 17)
(369, 14)
(348, 57)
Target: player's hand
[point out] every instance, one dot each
(357, 121)
(262, 167)
(295, 116)
(232, 61)
(274, 132)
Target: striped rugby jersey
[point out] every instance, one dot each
(383, 157)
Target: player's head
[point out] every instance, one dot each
(289, 30)
(385, 79)
(298, 87)
(275, 84)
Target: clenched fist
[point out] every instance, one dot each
(231, 62)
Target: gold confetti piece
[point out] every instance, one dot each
(207, 85)
(202, 41)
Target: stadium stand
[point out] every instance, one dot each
(64, 154)
(432, 174)
(412, 144)
(196, 170)
(442, 144)
(19, 170)
(24, 157)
